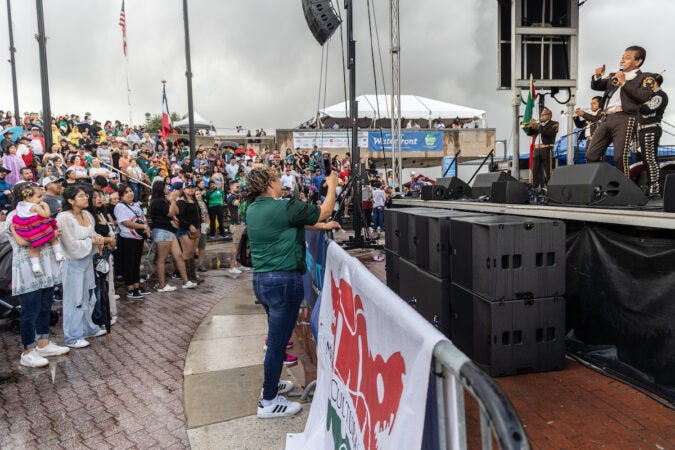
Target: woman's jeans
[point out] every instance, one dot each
(136, 188)
(281, 294)
(378, 213)
(36, 310)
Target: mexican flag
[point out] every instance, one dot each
(529, 107)
(166, 121)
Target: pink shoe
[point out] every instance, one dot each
(290, 360)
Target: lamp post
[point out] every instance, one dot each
(12, 62)
(188, 75)
(44, 79)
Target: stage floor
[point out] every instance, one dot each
(648, 216)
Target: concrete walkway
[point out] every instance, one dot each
(223, 376)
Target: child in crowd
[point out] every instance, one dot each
(33, 223)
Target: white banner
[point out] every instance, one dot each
(374, 355)
(328, 139)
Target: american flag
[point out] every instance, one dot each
(123, 24)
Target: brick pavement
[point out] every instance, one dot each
(123, 394)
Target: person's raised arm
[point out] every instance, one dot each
(328, 204)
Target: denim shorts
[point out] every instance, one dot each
(159, 235)
(181, 232)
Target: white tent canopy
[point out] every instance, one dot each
(412, 106)
(200, 123)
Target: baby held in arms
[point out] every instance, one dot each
(33, 223)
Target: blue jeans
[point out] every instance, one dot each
(36, 310)
(378, 220)
(137, 190)
(281, 294)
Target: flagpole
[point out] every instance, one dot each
(131, 117)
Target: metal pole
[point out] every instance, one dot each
(46, 108)
(353, 118)
(12, 62)
(395, 35)
(188, 75)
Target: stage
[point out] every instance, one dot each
(648, 216)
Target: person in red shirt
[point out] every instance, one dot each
(241, 151)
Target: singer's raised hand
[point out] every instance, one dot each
(600, 71)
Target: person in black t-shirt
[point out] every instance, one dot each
(162, 209)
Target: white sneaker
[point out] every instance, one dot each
(99, 333)
(234, 270)
(190, 285)
(113, 320)
(279, 407)
(167, 288)
(117, 297)
(59, 256)
(37, 270)
(51, 349)
(33, 359)
(283, 387)
(80, 343)
(245, 269)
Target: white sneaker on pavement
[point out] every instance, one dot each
(80, 343)
(244, 269)
(33, 359)
(283, 387)
(234, 270)
(190, 285)
(167, 288)
(51, 349)
(99, 333)
(279, 407)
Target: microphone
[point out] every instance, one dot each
(614, 79)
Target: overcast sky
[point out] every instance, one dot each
(256, 64)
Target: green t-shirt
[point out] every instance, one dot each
(152, 172)
(277, 235)
(214, 197)
(143, 163)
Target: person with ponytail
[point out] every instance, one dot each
(276, 231)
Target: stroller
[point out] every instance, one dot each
(10, 305)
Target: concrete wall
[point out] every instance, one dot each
(474, 143)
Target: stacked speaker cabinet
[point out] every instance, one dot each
(508, 282)
(482, 187)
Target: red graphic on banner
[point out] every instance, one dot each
(375, 384)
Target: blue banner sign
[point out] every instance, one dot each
(447, 160)
(411, 141)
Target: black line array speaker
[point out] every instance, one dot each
(482, 186)
(428, 294)
(456, 188)
(512, 337)
(433, 192)
(669, 193)
(392, 271)
(321, 18)
(508, 257)
(440, 249)
(593, 184)
(511, 192)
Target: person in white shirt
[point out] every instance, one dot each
(288, 180)
(379, 200)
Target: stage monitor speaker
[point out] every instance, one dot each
(511, 192)
(321, 18)
(433, 192)
(669, 193)
(455, 187)
(593, 184)
(483, 185)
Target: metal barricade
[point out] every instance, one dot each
(455, 374)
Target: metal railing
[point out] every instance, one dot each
(456, 374)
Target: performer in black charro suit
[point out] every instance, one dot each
(542, 159)
(625, 90)
(649, 134)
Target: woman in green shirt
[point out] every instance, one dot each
(276, 230)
